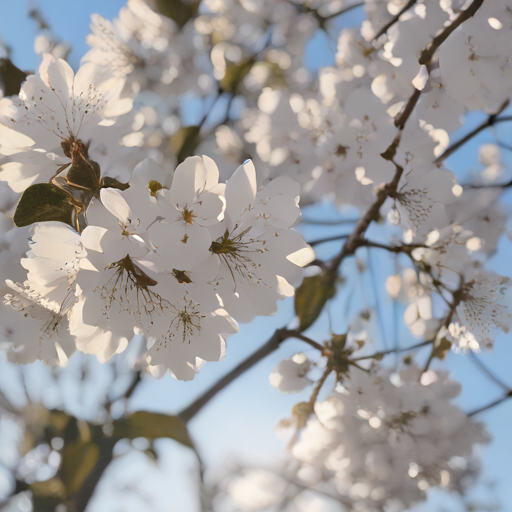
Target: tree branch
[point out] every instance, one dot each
(318, 387)
(456, 299)
(492, 404)
(270, 346)
(356, 239)
(328, 222)
(343, 11)
(395, 19)
(300, 336)
(328, 239)
(399, 248)
(322, 19)
(488, 372)
(409, 107)
(379, 355)
(491, 121)
(428, 52)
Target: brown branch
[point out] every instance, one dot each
(270, 346)
(328, 239)
(343, 11)
(491, 121)
(356, 239)
(428, 52)
(399, 248)
(300, 336)
(379, 355)
(456, 299)
(322, 19)
(407, 111)
(395, 19)
(328, 222)
(492, 404)
(490, 185)
(488, 372)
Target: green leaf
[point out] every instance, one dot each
(184, 141)
(11, 77)
(108, 182)
(79, 458)
(85, 174)
(180, 12)
(152, 425)
(43, 202)
(234, 74)
(47, 495)
(441, 348)
(311, 296)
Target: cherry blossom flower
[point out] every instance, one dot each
(56, 114)
(483, 309)
(290, 375)
(35, 327)
(258, 256)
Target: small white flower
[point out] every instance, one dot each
(290, 375)
(34, 327)
(485, 306)
(56, 114)
(259, 257)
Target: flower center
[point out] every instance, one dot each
(233, 251)
(188, 216)
(187, 320)
(154, 186)
(129, 287)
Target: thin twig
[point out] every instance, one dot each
(456, 299)
(428, 52)
(378, 355)
(270, 346)
(328, 222)
(328, 239)
(343, 11)
(504, 146)
(395, 19)
(322, 19)
(507, 184)
(300, 336)
(492, 404)
(405, 248)
(488, 372)
(491, 121)
(318, 386)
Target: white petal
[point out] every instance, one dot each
(240, 190)
(189, 178)
(115, 203)
(302, 257)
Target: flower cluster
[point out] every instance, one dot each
(177, 263)
(386, 438)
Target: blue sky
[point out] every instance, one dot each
(240, 421)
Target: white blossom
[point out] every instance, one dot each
(290, 375)
(387, 443)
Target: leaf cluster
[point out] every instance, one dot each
(87, 450)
